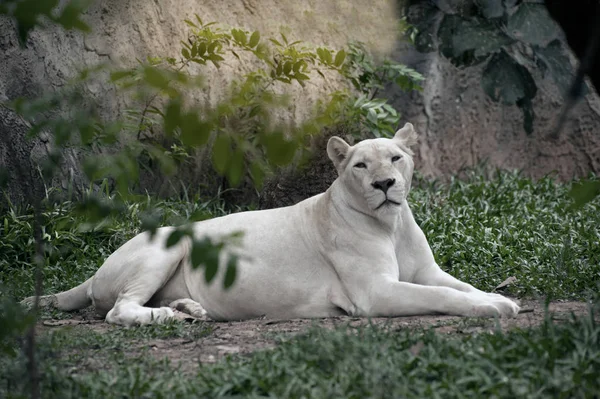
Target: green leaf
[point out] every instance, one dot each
(532, 24)
(150, 221)
(156, 78)
(339, 58)
(468, 42)
(165, 161)
(211, 263)
(372, 116)
(491, 8)
(584, 192)
(254, 39)
(299, 65)
(213, 47)
(193, 132)
(172, 116)
(87, 133)
(254, 111)
(190, 23)
(70, 16)
(200, 214)
(230, 272)
(275, 42)
(235, 170)
(221, 153)
(320, 53)
(257, 173)
(287, 68)
(280, 151)
(506, 81)
(215, 58)
(197, 254)
(239, 36)
(118, 75)
(174, 238)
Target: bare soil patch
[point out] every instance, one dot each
(245, 337)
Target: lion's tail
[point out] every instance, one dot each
(73, 299)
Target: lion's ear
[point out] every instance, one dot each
(337, 149)
(407, 136)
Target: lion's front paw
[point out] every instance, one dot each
(507, 307)
(162, 315)
(491, 305)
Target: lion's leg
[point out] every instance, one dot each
(131, 313)
(156, 266)
(190, 307)
(396, 298)
(435, 276)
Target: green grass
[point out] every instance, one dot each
(485, 230)
(549, 361)
(481, 230)
(74, 247)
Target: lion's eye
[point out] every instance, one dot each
(361, 165)
(396, 158)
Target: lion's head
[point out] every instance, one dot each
(376, 173)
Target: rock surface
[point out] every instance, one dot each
(461, 126)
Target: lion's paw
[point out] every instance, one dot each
(507, 307)
(492, 305)
(162, 315)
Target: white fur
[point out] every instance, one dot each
(346, 251)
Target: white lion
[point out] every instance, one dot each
(353, 250)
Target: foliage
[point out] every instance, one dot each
(369, 77)
(28, 14)
(15, 321)
(484, 231)
(553, 360)
(509, 37)
(75, 245)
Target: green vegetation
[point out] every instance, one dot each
(484, 230)
(74, 247)
(549, 361)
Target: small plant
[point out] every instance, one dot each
(375, 114)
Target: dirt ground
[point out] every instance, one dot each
(248, 336)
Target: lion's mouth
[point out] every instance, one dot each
(387, 202)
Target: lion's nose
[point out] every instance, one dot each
(384, 185)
